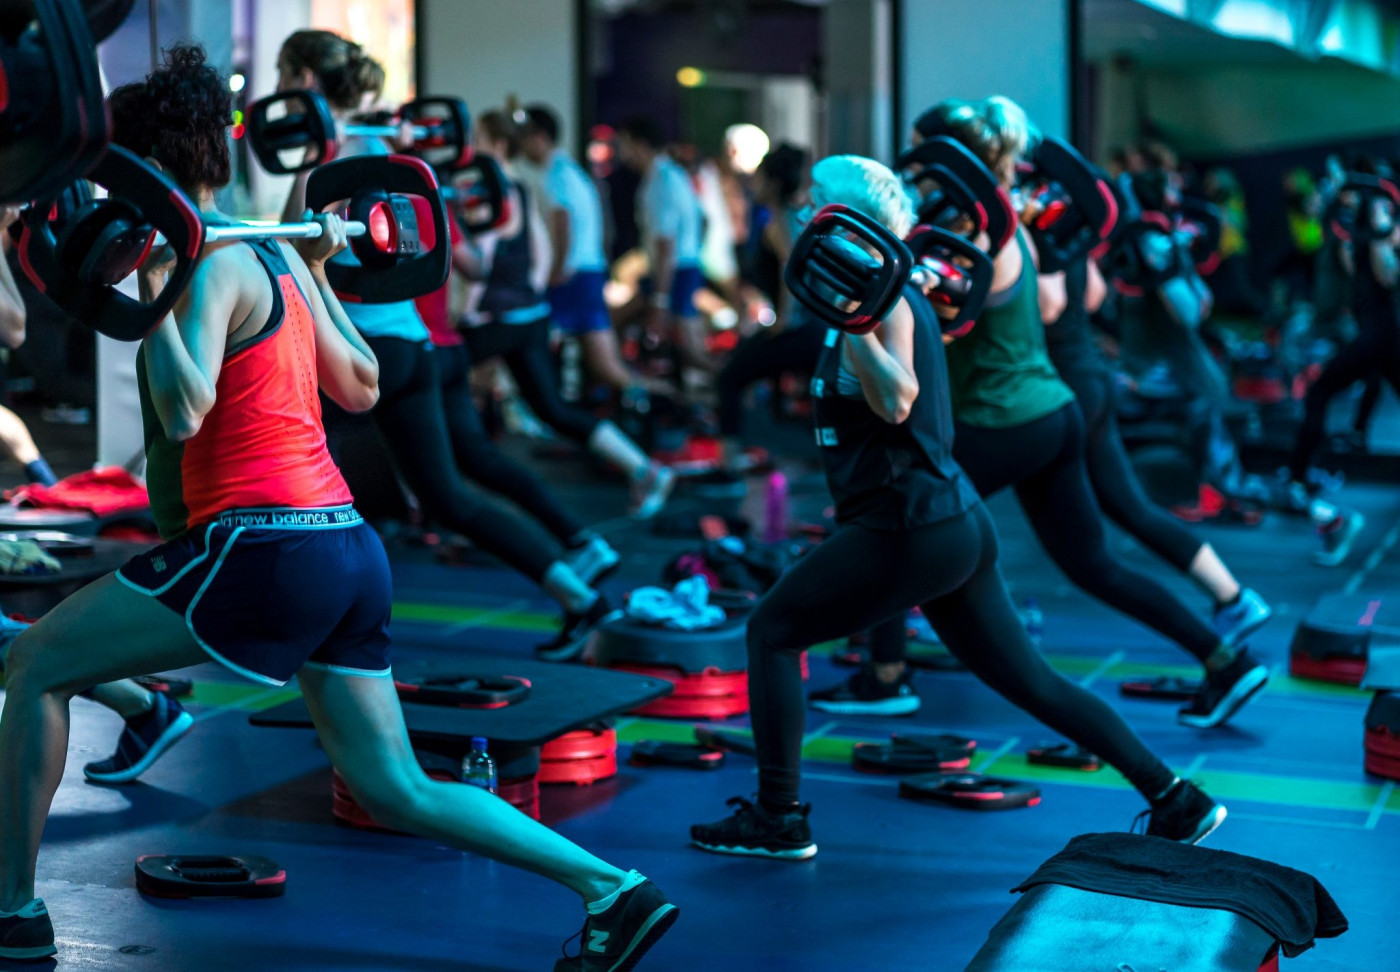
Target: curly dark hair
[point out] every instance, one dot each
(179, 115)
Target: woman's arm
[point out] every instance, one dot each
(883, 361)
(346, 368)
(473, 255)
(1052, 296)
(1096, 289)
(12, 313)
(185, 353)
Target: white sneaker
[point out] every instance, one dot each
(649, 494)
(594, 560)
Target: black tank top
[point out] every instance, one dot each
(508, 286)
(886, 476)
(1070, 339)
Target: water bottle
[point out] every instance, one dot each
(1033, 620)
(478, 768)
(775, 528)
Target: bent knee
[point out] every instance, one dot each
(26, 669)
(767, 631)
(394, 799)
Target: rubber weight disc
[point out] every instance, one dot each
(969, 791)
(1167, 688)
(206, 876)
(930, 754)
(464, 691)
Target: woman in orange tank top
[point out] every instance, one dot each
(267, 568)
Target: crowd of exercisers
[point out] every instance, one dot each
(948, 328)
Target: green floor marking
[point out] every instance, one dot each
(238, 695)
(485, 617)
(1358, 797)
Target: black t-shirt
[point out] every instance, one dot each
(885, 476)
(1289, 905)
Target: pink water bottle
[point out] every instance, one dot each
(775, 509)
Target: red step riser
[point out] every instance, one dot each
(1343, 671)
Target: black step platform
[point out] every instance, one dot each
(562, 698)
(1332, 641)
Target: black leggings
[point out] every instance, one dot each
(950, 568)
(480, 460)
(525, 349)
(1044, 461)
(1374, 354)
(411, 417)
(764, 356)
(1116, 485)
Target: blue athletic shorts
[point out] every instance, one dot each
(577, 305)
(267, 591)
(684, 283)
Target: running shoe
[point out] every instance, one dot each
(616, 940)
(1338, 537)
(864, 694)
(27, 934)
(1224, 692)
(573, 637)
(649, 494)
(751, 831)
(1235, 622)
(144, 740)
(593, 560)
(1185, 813)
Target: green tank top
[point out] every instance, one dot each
(1000, 374)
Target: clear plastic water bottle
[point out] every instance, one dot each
(478, 768)
(1033, 620)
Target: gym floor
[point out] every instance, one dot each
(896, 884)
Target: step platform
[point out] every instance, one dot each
(1383, 735)
(1058, 926)
(708, 669)
(563, 699)
(1332, 642)
(81, 559)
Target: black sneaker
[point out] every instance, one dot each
(27, 934)
(1225, 692)
(864, 694)
(573, 637)
(616, 940)
(1183, 814)
(144, 740)
(752, 831)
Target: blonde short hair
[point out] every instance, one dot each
(865, 186)
(996, 129)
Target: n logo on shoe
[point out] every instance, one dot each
(599, 942)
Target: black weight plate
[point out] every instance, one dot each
(720, 739)
(970, 791)
(208, 876)
(1065, 755)
(166, 684)
(891, 758)
(652, 752)
(1168, 688)
(464, 691)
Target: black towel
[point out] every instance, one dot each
(1288, 904)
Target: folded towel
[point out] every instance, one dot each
(686, 608)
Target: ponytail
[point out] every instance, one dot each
(345, 74)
